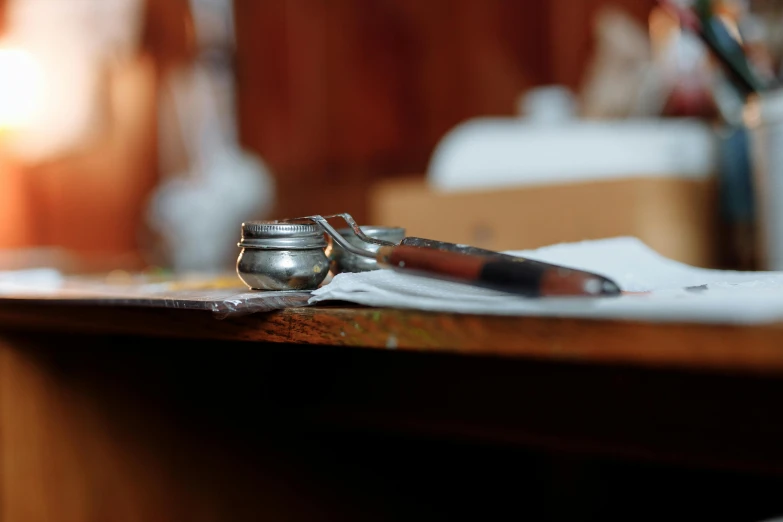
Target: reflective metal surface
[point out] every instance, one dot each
(282, 269)
(272, 235)
(282, 256)
(345, 261)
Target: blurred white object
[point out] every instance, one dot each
(621, 80)
(489, 153)
(680, 57)
(30, 282)
(764, 116)
(200, 205)
(551, 104)
(199, 214)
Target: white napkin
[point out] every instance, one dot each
(726, 296)
(35, 281)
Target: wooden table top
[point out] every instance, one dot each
(757, 349)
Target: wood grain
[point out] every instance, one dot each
(131, 414)
(98, 427)
(708, 347)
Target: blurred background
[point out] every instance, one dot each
(138, 134)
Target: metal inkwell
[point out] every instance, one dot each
(289, 255)
(282, 256)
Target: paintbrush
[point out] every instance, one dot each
(726, 49)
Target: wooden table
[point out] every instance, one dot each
(339, 413)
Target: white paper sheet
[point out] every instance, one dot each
(729, 297)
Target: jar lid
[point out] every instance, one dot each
(281, 236)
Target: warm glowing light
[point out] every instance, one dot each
(21, 88)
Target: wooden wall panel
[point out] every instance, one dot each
(337, 94)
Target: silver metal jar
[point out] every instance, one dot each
(282, 256)
(342, 261)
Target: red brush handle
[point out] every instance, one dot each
(518, 275)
